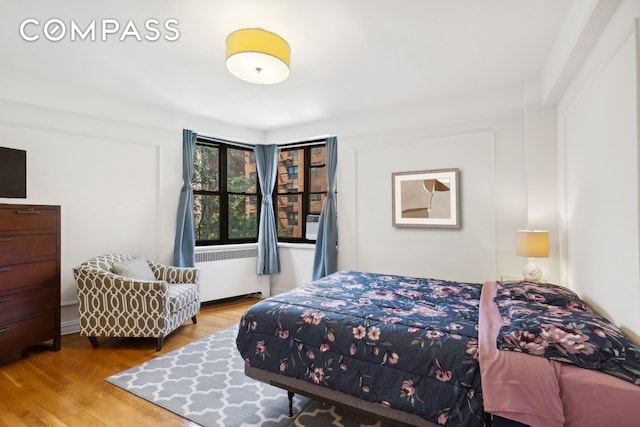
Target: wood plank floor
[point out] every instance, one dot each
(67, 388)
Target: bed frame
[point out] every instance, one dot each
(379, 412)
(385, 414)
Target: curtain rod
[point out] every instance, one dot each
(304, 143)
(310, 140)
(224, 141)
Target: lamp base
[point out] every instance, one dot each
(531, 272)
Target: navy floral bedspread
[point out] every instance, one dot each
(408, 343)
(551, 321)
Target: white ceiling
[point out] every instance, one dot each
(348, 56)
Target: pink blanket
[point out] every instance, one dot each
(546, 393)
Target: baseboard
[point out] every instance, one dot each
(71, 327)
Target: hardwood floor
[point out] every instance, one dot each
(67, 388)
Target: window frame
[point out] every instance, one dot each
(223, 192)
(306, 193)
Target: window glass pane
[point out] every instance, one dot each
(206, 210)
(241, 171)
(243, 216)
(315, 202)
(205, 168)
(318, 157)
(318, 180)
(289, 215)
(291, 171)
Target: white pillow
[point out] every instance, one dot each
(137, 268)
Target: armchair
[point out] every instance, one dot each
(123, 296)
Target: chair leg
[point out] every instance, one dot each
(194, 319)
(94, 342)
(159, 342)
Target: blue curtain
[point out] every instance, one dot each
(325, 258)
(184, 246)
(267, 165)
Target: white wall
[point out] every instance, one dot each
(464, 254)
(484, 137)
(542, 185)
(296, 263)
(491, 138)
(114, 167)
(598, 121)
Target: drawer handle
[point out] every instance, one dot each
(5, 329)
(6, 299)
(5, 239)
(5, 269)
(28, 212)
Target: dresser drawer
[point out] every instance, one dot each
(21, 218)
(27, 276)
(25, 333)
(27, 304)
(24, 248)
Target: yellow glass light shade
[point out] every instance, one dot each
(532, 243)
(258, 56)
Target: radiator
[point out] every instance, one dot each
(227, 273)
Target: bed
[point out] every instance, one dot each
(412, 351)
(547, 360)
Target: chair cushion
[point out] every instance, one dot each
(181, 295)
(137, 268)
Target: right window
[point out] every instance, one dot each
(301, 188)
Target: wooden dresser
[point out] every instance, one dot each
(29, 277)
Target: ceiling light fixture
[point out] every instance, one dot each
(258, 56)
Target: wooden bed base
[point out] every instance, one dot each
(376, 411)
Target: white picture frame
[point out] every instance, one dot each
(427, 198)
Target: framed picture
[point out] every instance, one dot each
(426, 198)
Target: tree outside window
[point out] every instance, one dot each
(226, 199)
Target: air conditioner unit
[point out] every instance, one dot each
(312, 227)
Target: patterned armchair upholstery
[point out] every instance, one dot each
(112, 305)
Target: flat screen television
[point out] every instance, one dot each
(13, 173)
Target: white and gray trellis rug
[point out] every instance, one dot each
(204, 382)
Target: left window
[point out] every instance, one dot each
(226, 193)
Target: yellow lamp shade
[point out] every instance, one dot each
(532, 243)
(258, 56)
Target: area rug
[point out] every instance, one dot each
(204, 382)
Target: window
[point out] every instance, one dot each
(301, 187)
(226, 193)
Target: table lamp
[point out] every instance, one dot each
(532, 244)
